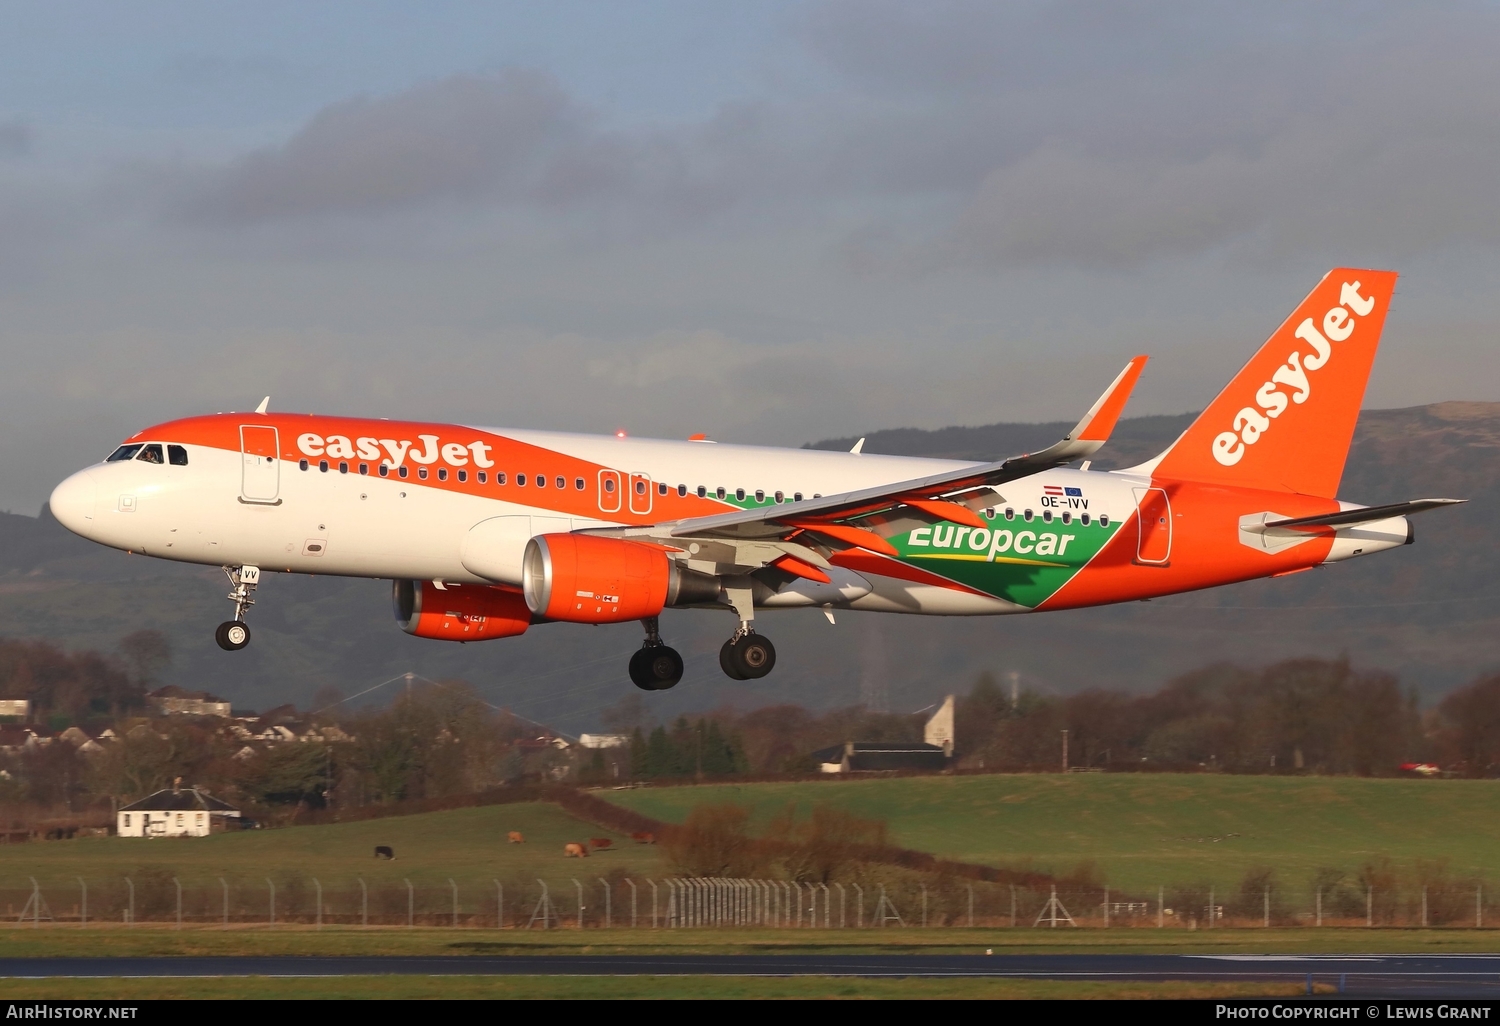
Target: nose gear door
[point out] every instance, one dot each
(1154, 548)
(260, 469)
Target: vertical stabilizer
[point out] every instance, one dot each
(1285, 422)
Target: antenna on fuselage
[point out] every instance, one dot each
(263, 404)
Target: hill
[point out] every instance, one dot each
(1144, 831)
(1426, 612)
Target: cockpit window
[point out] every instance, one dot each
(124, 452)
(151, 454)
(177, 455)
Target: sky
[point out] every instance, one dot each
(771, 221)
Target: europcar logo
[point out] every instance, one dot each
(1252, 422)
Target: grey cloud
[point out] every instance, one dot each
(15, 139)
(460, 138)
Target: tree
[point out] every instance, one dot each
(146, 653)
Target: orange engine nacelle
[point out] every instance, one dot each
(459, 612)
(583, 579)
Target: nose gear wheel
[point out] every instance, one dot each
(232, 635)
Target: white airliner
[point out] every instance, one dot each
(487, 531)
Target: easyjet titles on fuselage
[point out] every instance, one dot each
(341, 447)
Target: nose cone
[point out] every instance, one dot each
(74, 503)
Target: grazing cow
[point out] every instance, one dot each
(384, 852)
(514, 837)
(575, 851)
(643, 837)
(600, 842)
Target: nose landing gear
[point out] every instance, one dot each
(234, 635)
(656, 666)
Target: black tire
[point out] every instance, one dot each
(751, 657)
(728, 663)
(656, 668)
(232, 635)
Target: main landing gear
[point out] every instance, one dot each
(747, 655)
(656, 667)
(234, 635)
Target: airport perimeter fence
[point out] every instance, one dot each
(617, 901)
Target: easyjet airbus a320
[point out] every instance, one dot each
(486, 532)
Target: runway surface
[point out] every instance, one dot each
(1476, 976)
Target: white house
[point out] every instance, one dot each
(174, 812)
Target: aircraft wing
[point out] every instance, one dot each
(955, 495)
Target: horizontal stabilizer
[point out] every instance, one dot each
(1366, 514)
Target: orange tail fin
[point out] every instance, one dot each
(1285, 421)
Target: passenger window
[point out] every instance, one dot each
(343, 466)
(385, 469)
(561, 482)
(364, 469)
(578, 483)
(719, 492)
(401, 472)
(177, 455)
(760, 495)
(500, 478)
(442, 473)
(1067, 517)
(422, 473)
(1084, 520)
(463, 475)
(124, 452)
(1026, 515)
(796, 496)
(541, 480)
(1010, 514)
(1103, 519)
(151, 454)
(323, 466)
(702, 491)
(681, 490)
(1046, 516)
(483, 477)
(739, 495)
(302, 464)
(520, 480)
(640, 488)
(661, 488)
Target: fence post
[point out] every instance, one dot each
(1012, 905)
(1106, 908)
(1266, 907)
(1369, 904)
(364, 903)
(85, 888)
(1320, 906)
(652, 884)
(579, 888)
(860, 908)
(843, 919)
(411, 905)
(454, 888)
(1479, 906)
(1213, 913)
(36, 904)
(1161, 907)
(827, 907)
(178, 884)
(1424, 905)
(225, 887)
(632, 901)
(971, 905)
(319, 887)
(273, 900)
(924, 905)
(499, 906)
(608, 905)
(130, 908)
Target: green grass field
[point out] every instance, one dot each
(1148, 830)
(466, 845)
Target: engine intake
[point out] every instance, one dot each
(466, 612)
(584, 579)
